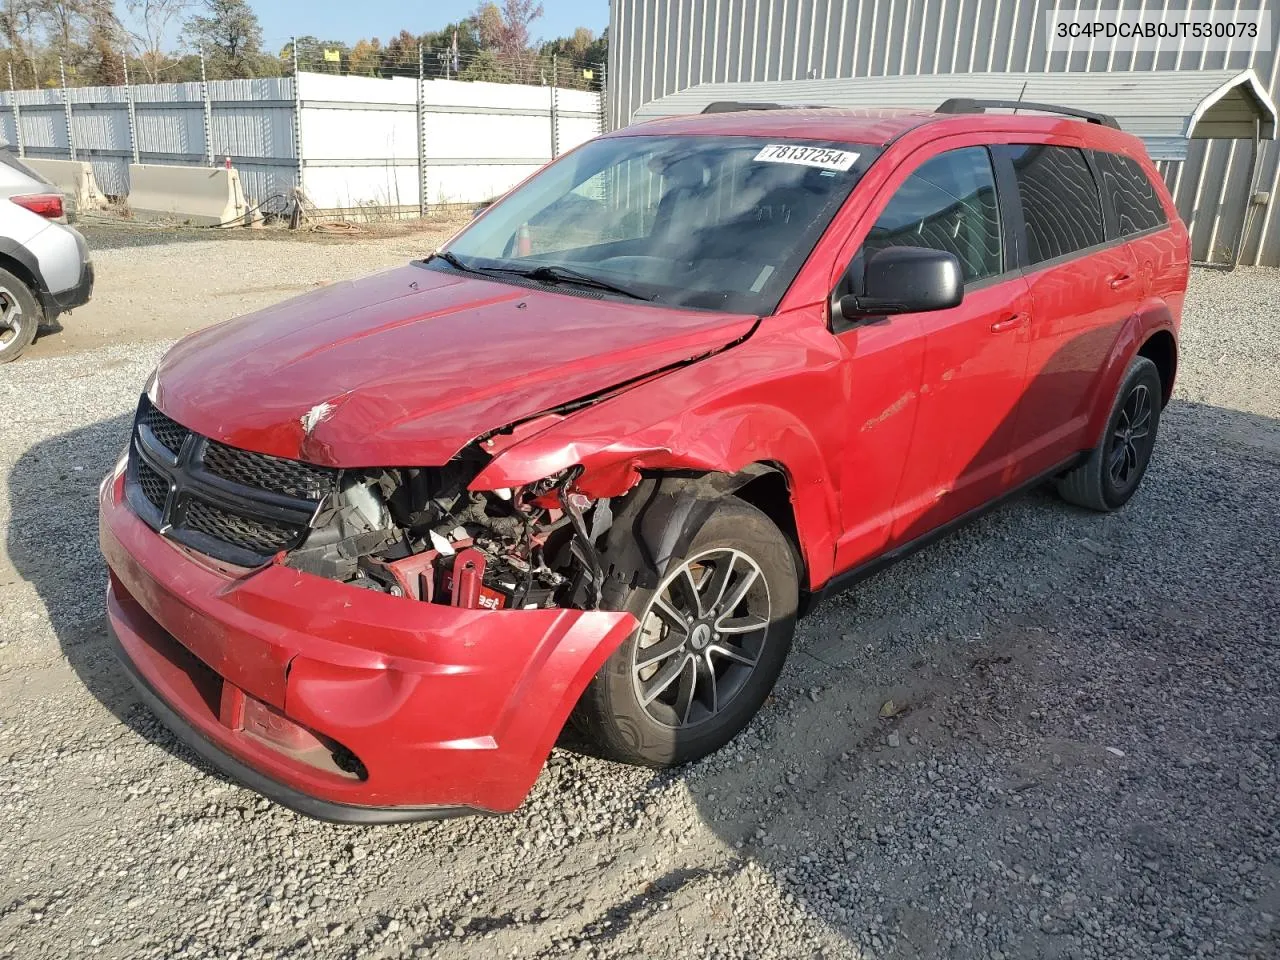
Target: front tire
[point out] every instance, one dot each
(712, 640)
(1118, 463)
(20, 316)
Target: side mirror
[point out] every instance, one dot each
(905, 280)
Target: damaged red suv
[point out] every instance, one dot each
(372, 549)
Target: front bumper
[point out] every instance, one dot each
(340, 703)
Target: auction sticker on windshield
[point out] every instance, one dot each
(822, 157)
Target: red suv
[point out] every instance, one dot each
(371, 549)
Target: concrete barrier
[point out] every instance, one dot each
(207, 196)
(74, 178)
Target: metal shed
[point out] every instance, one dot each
(1167, 109)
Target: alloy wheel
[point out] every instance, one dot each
(700, 637)
(11, 318)
(1130, 442)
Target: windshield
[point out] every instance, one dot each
(719, 223)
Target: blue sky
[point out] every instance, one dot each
(349, 21)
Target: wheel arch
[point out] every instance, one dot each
(21, 264)
(1149, 332)
(656, 520)
(770, 492)
(1162, 349)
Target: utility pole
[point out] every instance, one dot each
(297, 129)
(133, 116)
(555, 113)
(208, 113)
(604, 93)
(17, 113)
(422, 135)
(66, 103)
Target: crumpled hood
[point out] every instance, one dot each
(406, 367)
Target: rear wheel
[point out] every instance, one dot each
(712, 640)
(1117, 465)
(20, 316)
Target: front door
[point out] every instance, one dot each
(948, 381)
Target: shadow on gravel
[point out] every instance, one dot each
(939, 718)
(937, 660)
(53, 543)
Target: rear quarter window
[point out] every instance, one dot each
(1131, 193)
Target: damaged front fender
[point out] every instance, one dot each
(713, 418)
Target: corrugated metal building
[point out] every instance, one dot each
(657, 47)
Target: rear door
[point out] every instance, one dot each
(1084, 283)
(1142, 222)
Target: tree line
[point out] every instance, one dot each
(40, 39)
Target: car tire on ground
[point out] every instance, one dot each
(20, 316)
(1117, 464)
(712, 640)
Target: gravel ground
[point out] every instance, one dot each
(1080, 760)
(156, 283)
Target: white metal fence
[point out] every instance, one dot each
(354, 144)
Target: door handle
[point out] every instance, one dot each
(1118, 280)
(1009, 323)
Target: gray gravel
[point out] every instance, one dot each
(1080, 758)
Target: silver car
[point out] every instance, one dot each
(45, 268)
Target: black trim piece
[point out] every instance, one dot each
(78, 295)
(1015, 226)
(20, 254)
(273, 790)
(1149, 232)
(734, 106)
(842, 581)
(969, 105)
(1034, 268)
(1110, 219)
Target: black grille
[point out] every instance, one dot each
(154, 487)
(248, 533)
(168, 432)
(288, 477)
(235, 505)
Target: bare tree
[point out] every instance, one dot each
(150, 30)
(20, 24)
(504, 30)
(229, 33)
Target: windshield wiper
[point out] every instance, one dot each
(454, 261)
(547, 273)
(552, 273)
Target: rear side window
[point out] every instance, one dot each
(1133, 196)
(948, 204)
(1060, 201)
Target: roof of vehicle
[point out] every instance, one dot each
(1165, 108)
(872, 127)
(875, 126)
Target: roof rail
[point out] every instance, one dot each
(968, 105)
(733, 106)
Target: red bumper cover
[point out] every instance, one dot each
(342, 703)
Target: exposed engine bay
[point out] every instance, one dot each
(420, 533)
